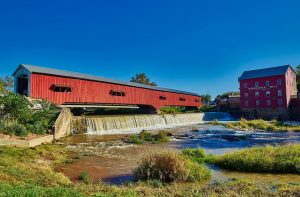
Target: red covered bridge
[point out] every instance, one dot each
(75, 89)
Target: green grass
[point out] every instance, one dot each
(198, 155)
(30, 172)
(36, 191)
(273, 159)
(258, 124)
(85, 177)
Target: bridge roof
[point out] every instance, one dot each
(62, 73)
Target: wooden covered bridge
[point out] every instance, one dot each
(73, 90)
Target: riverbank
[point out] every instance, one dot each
(259, 124)
(30, 172)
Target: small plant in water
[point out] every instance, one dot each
(146, 136)
(161, 137)
(85, 177)
(135, 140)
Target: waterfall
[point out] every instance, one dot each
(135, 123)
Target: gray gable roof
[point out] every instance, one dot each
(56, 72)
(265, 72)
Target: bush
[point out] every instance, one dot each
(196, 171)
(135, 140)
(85, 177)
(15, 129)
(18, 117)
(279, 159)
(161, 137)
(146, 136)
(14, 107)
(168, 166)
(198, 154)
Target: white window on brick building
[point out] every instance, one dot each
(279, 101)
(245, 85)
(267, 83)
(268, 102)
(257, 94)
(279, 82)
(257, 102)
(246, 94)
(246, 103)
(279, 93)
(256, 84)
(268, 93)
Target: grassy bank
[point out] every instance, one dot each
(278, 159)
(29, 172)
(259, 124)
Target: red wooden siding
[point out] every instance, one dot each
(94, 92)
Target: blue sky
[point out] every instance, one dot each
(198, 46)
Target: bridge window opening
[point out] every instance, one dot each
(22, 85)
(61, 88)
(197, 100)
(117, 93)
(163, 98)
(182, 99)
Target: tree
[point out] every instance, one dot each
(6, 84)
(206, 97)
(143, 79)
(298, 76)
(227, 94)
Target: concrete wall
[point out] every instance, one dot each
(7, 141)
(63, 123)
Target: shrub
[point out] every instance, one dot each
(135, 139)
(164, 166)
(85, 177)
(168, 166)
(16, 109)
(279, 159)
(196, 171)
(146, 136)
(39, 128)
(198, 155)
(13, 128)
(161, 137)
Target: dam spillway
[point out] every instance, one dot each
(133, 123)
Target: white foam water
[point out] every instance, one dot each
(101, 125)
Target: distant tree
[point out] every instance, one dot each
(298, 77)
(6, 84)
(206, 97)
(227, 94)
(143, 79)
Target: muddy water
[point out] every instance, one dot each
(111, 159)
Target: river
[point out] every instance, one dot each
(109, 158)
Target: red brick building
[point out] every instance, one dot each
(267, 92)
